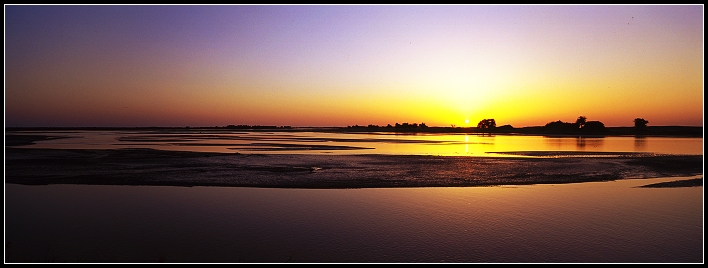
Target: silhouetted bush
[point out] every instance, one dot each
(560, 127)
(594, 127)
(505, 129)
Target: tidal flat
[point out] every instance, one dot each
(109, 199)
(32, 166)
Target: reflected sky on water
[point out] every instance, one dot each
(584, 222)
(598, 222)
(362, 143)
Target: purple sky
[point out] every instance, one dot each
(338, 65)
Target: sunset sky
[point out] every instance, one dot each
(340, 65)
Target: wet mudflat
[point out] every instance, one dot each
(176, 168)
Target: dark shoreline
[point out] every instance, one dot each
(697, 182)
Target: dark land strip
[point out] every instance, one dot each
(19, 140)
(696, 182)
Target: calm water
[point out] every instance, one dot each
(586, 222)
(375, 143)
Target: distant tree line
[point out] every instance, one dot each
(256, 127)
(581, 126)
(489, 125)
(397, 126)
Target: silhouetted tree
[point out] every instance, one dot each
(581, 121)
(640, 123)
(487, 124)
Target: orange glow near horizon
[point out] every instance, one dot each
(349, 65)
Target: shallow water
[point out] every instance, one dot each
(361, 143)
(604, 222)
(519, 224)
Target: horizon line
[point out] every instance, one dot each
(290, 126)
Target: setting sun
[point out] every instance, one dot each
(299, 133)
(337, 65)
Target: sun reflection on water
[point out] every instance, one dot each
(364, 143)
